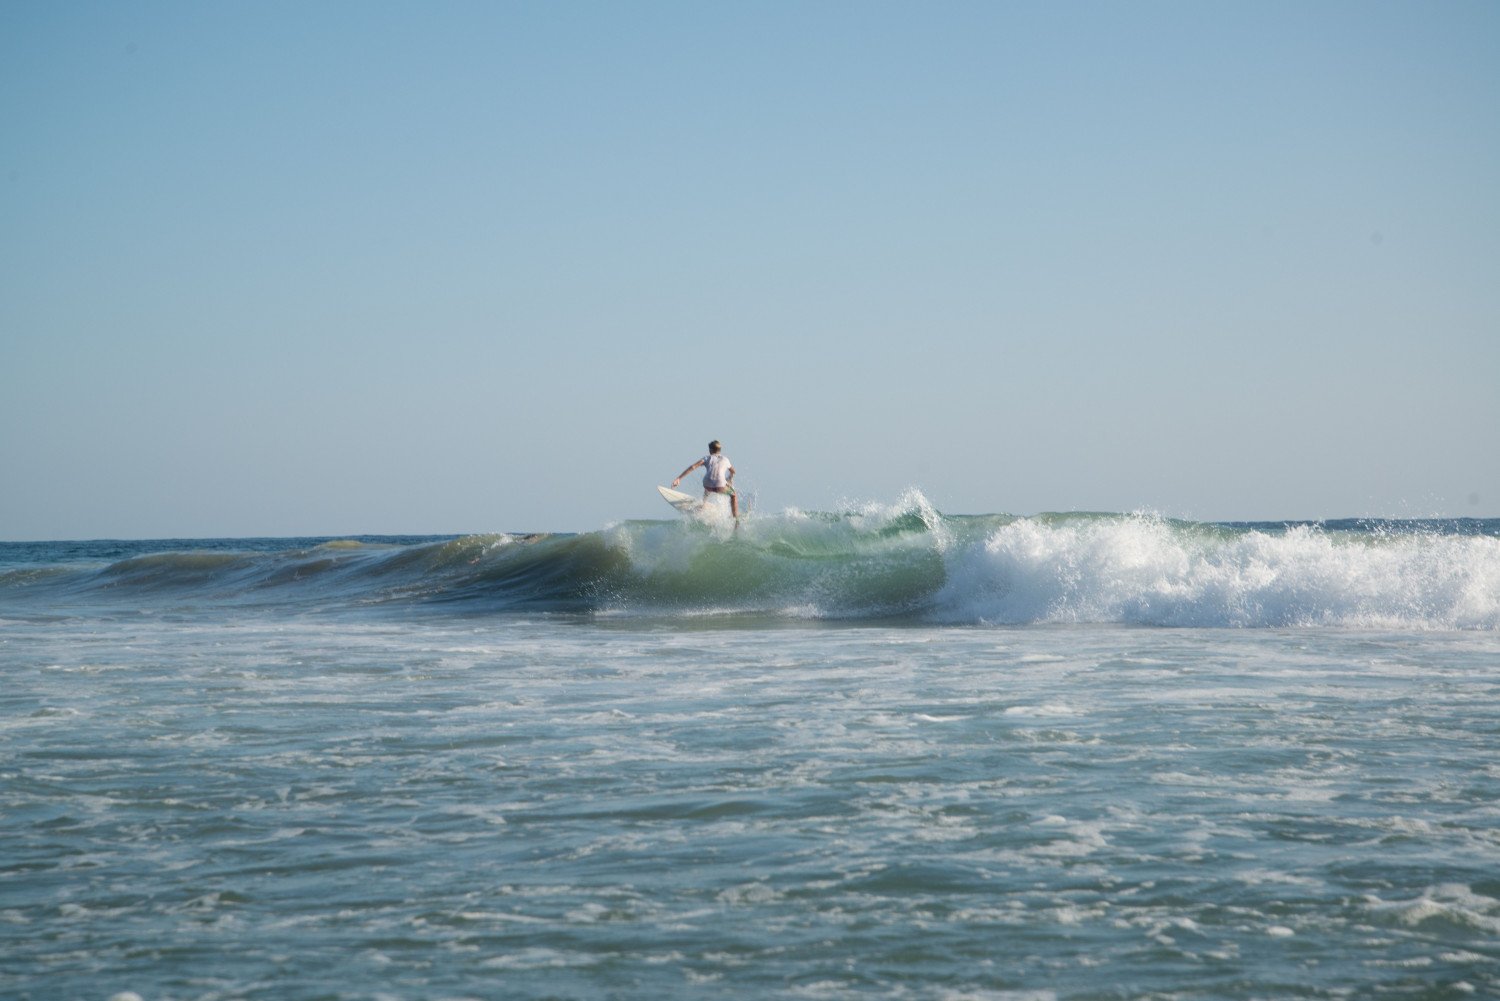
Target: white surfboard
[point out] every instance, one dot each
(686, 503)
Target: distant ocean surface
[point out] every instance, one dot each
(880, 752)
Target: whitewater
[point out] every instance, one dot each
(877, 752)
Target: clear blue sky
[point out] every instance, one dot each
(285, 268)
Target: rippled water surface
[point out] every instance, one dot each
(274, 807)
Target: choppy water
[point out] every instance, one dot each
(301, 770)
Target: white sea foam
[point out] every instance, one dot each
(1046, 710)
(1147, 571)
(1454, 903)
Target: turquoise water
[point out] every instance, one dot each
(897, 761)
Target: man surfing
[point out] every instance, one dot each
(718, 476)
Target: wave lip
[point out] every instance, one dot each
(870, 561)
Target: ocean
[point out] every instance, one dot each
(879, 752)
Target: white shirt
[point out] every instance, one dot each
(716, 470)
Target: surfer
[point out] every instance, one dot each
(718, 476)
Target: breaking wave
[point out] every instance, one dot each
(902, 561)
